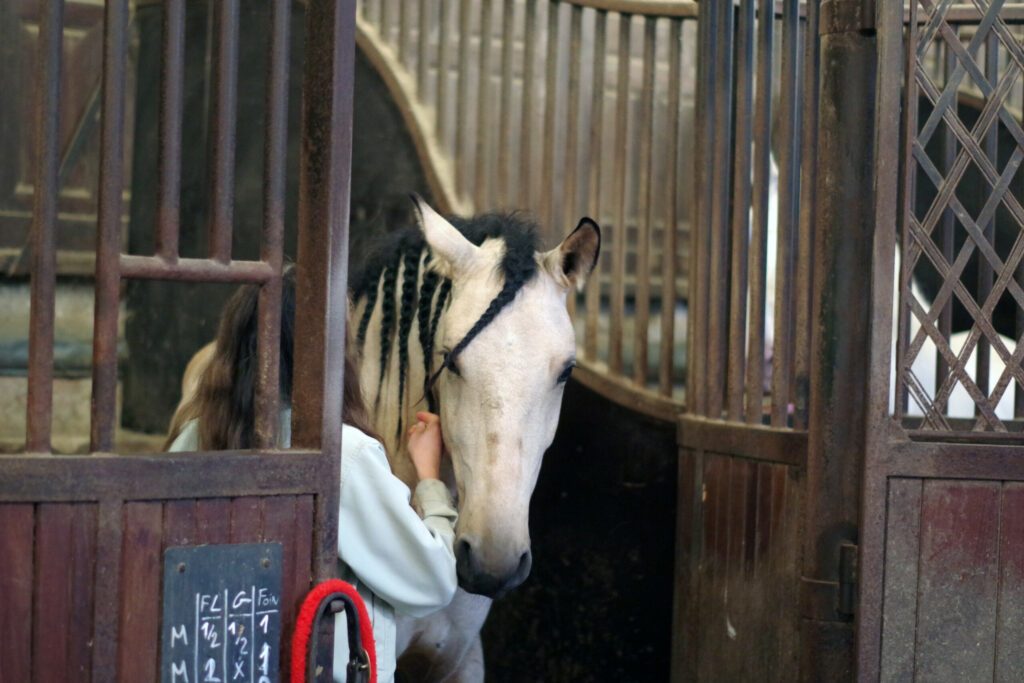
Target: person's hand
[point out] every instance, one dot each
(425, 445)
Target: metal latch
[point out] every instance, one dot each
(847, 579)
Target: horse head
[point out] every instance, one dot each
(505, 347)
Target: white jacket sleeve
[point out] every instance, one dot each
(405, 560)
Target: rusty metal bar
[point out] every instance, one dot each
(194, 270)
(423, 45)
(719, 169)
(525, 138)
(462, 101)
(758, 247)
(594, 193)
(44, 226)
(552, 189)
(504, 189)
(572, 163)
(696, 397)
(275, 153)
(742, 192)
(171, 101)
(985, 274)
(222, 165)
(908, 132)
(673, 194)
(947, 140)
(484, 130)
(646, 133)
(618, 297)
(108, 229)
(444, 56)
(788, 216)
(324, 196)
(805, 283)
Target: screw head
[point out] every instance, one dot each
(181, 567)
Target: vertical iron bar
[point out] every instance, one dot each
(740, 214)
(552, 188)
(423, 47)
(758, 247)
(696, 396)
(642, 281)
(171, 101)
(788, 216)
(805, 282)
(324, 195)
(719, 228)
(673, 194)
(504, 188)
(572, 163)
(223, 130)
(404, 8)
(948, 143)
(108, 230)
(526, 171)
(274, 168)
(618, 298)
(484, 130)
(906, 214)
(462, 101)
(44, 227)
(444, 57)
(594, 166)
(985, 275)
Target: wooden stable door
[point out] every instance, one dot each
(942, 539)
(86, 541)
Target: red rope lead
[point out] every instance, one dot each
(304, 628)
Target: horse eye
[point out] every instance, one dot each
(564, 377)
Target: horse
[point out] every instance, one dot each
(466, 317)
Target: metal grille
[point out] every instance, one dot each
(961, 305)
(750, 314)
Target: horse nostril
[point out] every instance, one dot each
(523, 570)
(464, 556)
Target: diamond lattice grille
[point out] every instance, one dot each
(961, 310)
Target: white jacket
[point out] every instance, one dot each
(397, 561)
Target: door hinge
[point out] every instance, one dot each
(847, 579)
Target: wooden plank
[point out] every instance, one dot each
(16, 543)
(140, 587)
(180, 523)
(902, 541)
(213, 520)
(50, 637)
(106, 627)
(81, 557)
(278, 527)
(958, 583)
(763, 532)
(1009, 626)
(246, 519)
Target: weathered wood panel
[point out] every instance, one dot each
(903, 542)
(737, 569)
(1010, 619)
(16, 543)
(140, 576)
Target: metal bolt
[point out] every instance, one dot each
(265, 563)
(181, 567)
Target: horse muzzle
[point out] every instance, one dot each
(488, 578)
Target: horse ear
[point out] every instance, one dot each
(452, 251)
(574, 259)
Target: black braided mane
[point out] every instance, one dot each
(402, 249)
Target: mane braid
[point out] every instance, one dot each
(428, 383)
(426, 299)
(410, 274)
(364, 322)
(387, 320)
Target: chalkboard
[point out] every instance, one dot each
(221, 614)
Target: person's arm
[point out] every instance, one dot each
(405, 560)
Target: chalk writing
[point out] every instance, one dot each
(221, 617)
